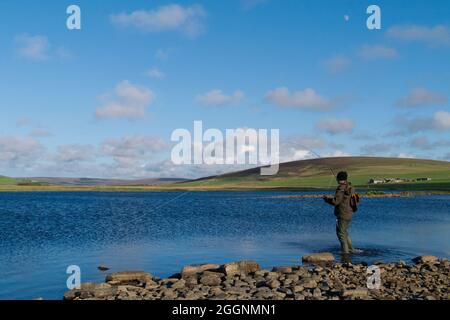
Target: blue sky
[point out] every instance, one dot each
(103, 101)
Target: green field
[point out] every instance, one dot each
(7, 181)
(317, 173)
(304, 174)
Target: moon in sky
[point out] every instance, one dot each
(346, 18)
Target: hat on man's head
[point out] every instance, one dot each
(342, 176)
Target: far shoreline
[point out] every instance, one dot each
(366, 191)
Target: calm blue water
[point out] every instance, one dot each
(43, 233)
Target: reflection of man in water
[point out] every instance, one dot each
(343, 211)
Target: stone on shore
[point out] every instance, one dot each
(193, 269)
(129, 277)
(91, 291)
(240, 267)
(282, 269)
(319, 258)
(355, 293)
(426, 280)
(425, 259)
(211, 280)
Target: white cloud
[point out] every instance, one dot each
(421, 97)
(423, 143)
(336, 154)
(376, 148)
(40, 133)
(132, 146)
(173, 17)
(337, 64)
(38, 48)
(436, 35)
(217, 98)
(131, 154)
(307, 99)
(304, 142)
(155, 73)
(75, 153)
(129, 102)
(36, 129)
(406, 155)
(335, 126)
(300, 147)
(440, 121)
(20, 152)
(375, 52)
(33, 47)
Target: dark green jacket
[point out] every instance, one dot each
(341, 201)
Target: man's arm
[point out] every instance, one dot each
(338, 197)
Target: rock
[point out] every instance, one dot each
(318, 258)
(356, 293)
(210, 280)
(150, 285)
(282, 269)
(178, 284)
(102, 268)
(193, 295)
(71, 294)
(169, 294)
(307, 283)
(261, 273)
(191, 281)
(425, 259)
(91, 290)
(272, 275)
(102, 293)
(176, 276)
(299, 297)
(317, 293)
(213, 273)
(263, 293)
(199, 268)
(239, 267)
(129, 277)
(273, 284)
(238, 281)
(293, 277)
(298, 289)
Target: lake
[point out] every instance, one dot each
(42, 233)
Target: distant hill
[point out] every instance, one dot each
(92, 182)
(7, 180)
(316, 173)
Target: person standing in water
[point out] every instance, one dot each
(343, 210)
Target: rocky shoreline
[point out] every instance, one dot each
(319, 278)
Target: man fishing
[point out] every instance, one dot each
(343, 210)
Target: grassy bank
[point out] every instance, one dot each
(305, 175)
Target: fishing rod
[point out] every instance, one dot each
(320, 157)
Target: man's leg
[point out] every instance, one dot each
(341, 232)
(349, 240)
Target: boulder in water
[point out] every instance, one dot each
(426, 259)
(318, 258)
